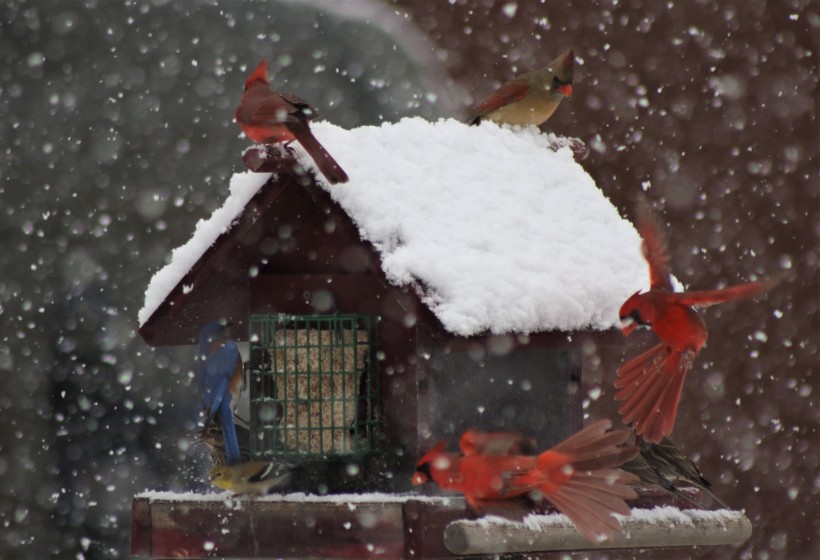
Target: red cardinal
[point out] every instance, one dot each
(268, 117)
(650, 385)
(531, 98)
(496, 443)
(578, 476)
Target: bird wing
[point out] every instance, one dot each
(506, 94)
(217, 370)
(303, 106)
(705, 298)
(655, 249)
(496, 443)
(273, 109)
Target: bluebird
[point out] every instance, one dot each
(221, 378)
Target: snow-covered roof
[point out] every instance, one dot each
(494, 229)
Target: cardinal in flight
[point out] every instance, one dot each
(268, 117)
(579, 476)
(531, 98)
(650, 385)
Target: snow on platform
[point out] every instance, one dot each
(298, 497)
(492, 228)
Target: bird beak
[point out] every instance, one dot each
(418, 479)
(628, 325)
(566, 90)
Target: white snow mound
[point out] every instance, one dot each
(493, 229)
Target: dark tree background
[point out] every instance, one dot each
(116, 137)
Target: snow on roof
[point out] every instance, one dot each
(492, 228)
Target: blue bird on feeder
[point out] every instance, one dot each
(221, 378)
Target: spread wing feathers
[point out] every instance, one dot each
(596, 448)
(655, 249)
(496, 443)
(508, 93)
(705, 298)
(650, 386)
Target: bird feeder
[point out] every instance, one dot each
(449, 285)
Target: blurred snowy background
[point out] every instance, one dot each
(116, 136)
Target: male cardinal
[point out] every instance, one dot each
(530, 98)
(650, 385)
(268, 117)
(577, 476)
(664, 465)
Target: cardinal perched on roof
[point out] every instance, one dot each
(650, 385)
(578, 476)
(531, 98)
(268, 117)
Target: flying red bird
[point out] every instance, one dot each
(578, 476)
(268, 117)
(650, 385)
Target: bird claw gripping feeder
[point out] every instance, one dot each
(440, 289)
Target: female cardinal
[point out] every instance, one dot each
(531, 98)
(268, 117)
(578, 476)
(650, 385)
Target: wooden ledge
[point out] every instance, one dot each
(660, 527)
(390, 526)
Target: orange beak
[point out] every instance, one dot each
(628, 326)
(566, 89)
(418, 479)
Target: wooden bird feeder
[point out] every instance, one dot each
(355, 377)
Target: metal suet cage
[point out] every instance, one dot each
(313, 390)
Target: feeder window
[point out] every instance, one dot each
(313, 385)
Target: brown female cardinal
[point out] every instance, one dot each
(531, 98)
(579, 476)
(268, 117)
(650, 385)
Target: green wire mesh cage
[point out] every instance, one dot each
(313, 390)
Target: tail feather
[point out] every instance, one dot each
(591, 519)
(611, 501)
(651, 396)
(608, 482)
(595, 448)
(232, 455)
(583, 437)
(604, 452)
(591, 491)
(324, 161)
